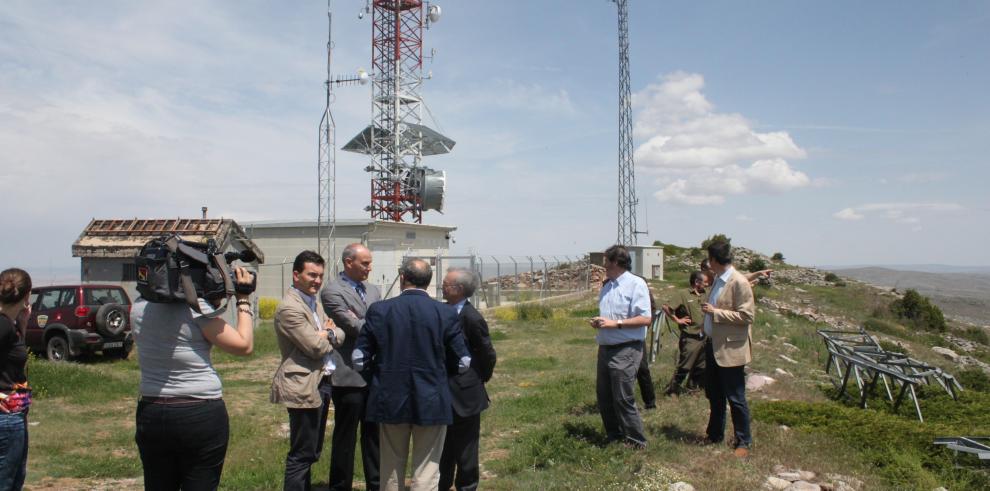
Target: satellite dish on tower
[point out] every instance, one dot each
(433, 13)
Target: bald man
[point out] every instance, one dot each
(345, 300)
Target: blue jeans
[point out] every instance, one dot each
(13, 450)
(182, 446)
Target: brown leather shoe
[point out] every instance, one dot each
(741, 452)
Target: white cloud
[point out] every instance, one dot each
(903, 213)
(701, 156)
(847, 214)
(744, 218)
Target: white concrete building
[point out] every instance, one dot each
(389, 243)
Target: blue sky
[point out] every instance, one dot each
(833, 132)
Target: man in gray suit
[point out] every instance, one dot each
(346, 299)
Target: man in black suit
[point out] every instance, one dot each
(346, 299)
(460, 448)
(405, 343)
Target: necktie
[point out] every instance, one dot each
(360, 290)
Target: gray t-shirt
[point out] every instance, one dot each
(173, 354)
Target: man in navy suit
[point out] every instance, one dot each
(460, 448)
(404, 343)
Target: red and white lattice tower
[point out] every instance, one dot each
(397, 140)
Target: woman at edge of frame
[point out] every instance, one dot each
(15, 395)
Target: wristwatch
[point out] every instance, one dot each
(618, 324)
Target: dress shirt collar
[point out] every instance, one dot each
(724, 277)
(460, 305)
(349, 281)
(622, 278)
(309, 299)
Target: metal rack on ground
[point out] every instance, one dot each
(855, 354)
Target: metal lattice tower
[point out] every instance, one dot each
(397, 58)
(327, 215)
(627, 175)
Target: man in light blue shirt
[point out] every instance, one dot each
(624, 313)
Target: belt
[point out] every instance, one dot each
(176, 400)
(622, 345)
(700, 335)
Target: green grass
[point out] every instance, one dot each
(543, 430)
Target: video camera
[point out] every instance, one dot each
(172, 270)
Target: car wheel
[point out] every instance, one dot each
(57, 348)
(111, 319)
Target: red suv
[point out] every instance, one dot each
(67, 321)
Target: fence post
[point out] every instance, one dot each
(498, 281)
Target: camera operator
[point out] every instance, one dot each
(182, 427)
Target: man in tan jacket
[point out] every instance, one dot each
(729, 314)
(302, 381)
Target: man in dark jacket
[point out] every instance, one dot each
(404, 343)
(460, 448)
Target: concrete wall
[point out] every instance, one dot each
(647, 261)
(107, 270)
(389, 243)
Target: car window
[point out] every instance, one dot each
(34, 299)
(49, 299)
(68, 298)
(103, 296)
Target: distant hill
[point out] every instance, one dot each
(921, 268)
(963, 295)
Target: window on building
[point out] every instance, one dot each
(129, 272)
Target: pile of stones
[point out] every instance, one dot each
(785, 479)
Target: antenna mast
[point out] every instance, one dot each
(397, 140)
(627, 177)
(327, 200)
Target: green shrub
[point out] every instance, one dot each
(899, 448)
(533, 311)
(831, 277)
(976, 334)
(670, 249)
(266, 307)
(893, 347)
(884, 326)
(756, 264)
(778, 257)
(919, 310)
(974, 379)
(715, 238)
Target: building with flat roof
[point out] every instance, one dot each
(389, 242)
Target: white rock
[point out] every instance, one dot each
(680, 486)
(940, 488)
(776, 483)
(790, 475)
(781, 371)
(758, 382)
(807, 475)
(789, 346)
(803, 486)
(788, 360)
(946, 352)
(785, 428)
